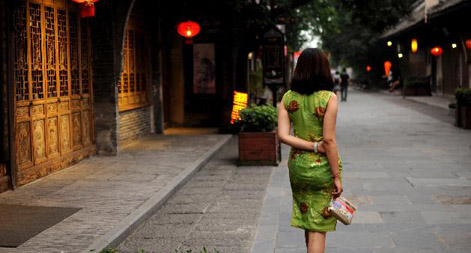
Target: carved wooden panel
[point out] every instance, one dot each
(22, 112)
(86, 128)
(23, 135)
(76, 105)
(37, 110)
(39, 139)
(64, 106)
(77, 129)
(52, 108)
(53, 136)
(65, 132)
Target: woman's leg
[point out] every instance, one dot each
(316, 242)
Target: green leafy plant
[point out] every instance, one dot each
(204, 250)
(108, 250)
(463, 96)
(415, 82)
(257, 118)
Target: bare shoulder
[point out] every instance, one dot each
(333, 97)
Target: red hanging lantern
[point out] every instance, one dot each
(468, 43)
(87, 8)
(387, 67)
(188, 29)
(368, 68)
(436, 51)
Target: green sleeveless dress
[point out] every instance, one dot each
(309, 173)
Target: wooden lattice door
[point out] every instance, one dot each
(52, 80)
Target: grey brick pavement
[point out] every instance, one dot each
(218, 208)
(110, 190)
(407, 168)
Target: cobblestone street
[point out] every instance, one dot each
(218, 208)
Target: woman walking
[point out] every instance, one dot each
(315, 168)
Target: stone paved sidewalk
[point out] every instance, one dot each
(111, 190)
(407, 168)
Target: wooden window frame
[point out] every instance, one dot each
(134, 84)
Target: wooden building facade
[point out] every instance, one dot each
(442, 25)
(73, 87)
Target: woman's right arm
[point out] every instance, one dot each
(330, 142)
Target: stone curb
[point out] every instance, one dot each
(124, 228)
(267, 231)
(445, 107)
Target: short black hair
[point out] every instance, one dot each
(312, 73)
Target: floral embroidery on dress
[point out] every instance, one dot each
(295, 152)
(303, 207)
(293, 106)
(325, 213)
(319, 112)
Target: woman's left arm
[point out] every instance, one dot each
(284, 126)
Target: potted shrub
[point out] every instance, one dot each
(258, 140)
(416, 86)
(463, 108)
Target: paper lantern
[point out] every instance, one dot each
(387, 67)
(188, 29)
(436, 51)
(87, 8)
(468, 43)
(414, 46)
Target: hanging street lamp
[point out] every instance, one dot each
(87, 8)
(188, 29)
(436, 51)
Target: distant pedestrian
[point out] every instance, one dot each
(344, 77)
(314, 164)
(336, 83)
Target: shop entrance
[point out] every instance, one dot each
(53, 87)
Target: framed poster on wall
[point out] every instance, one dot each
(204, 69)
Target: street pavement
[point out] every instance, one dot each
(113, 193)
(406, 167)
(218, 208)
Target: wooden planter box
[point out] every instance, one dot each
(259, 148)
(458, 116)
(465, 117)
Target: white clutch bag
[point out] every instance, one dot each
(342, 210)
